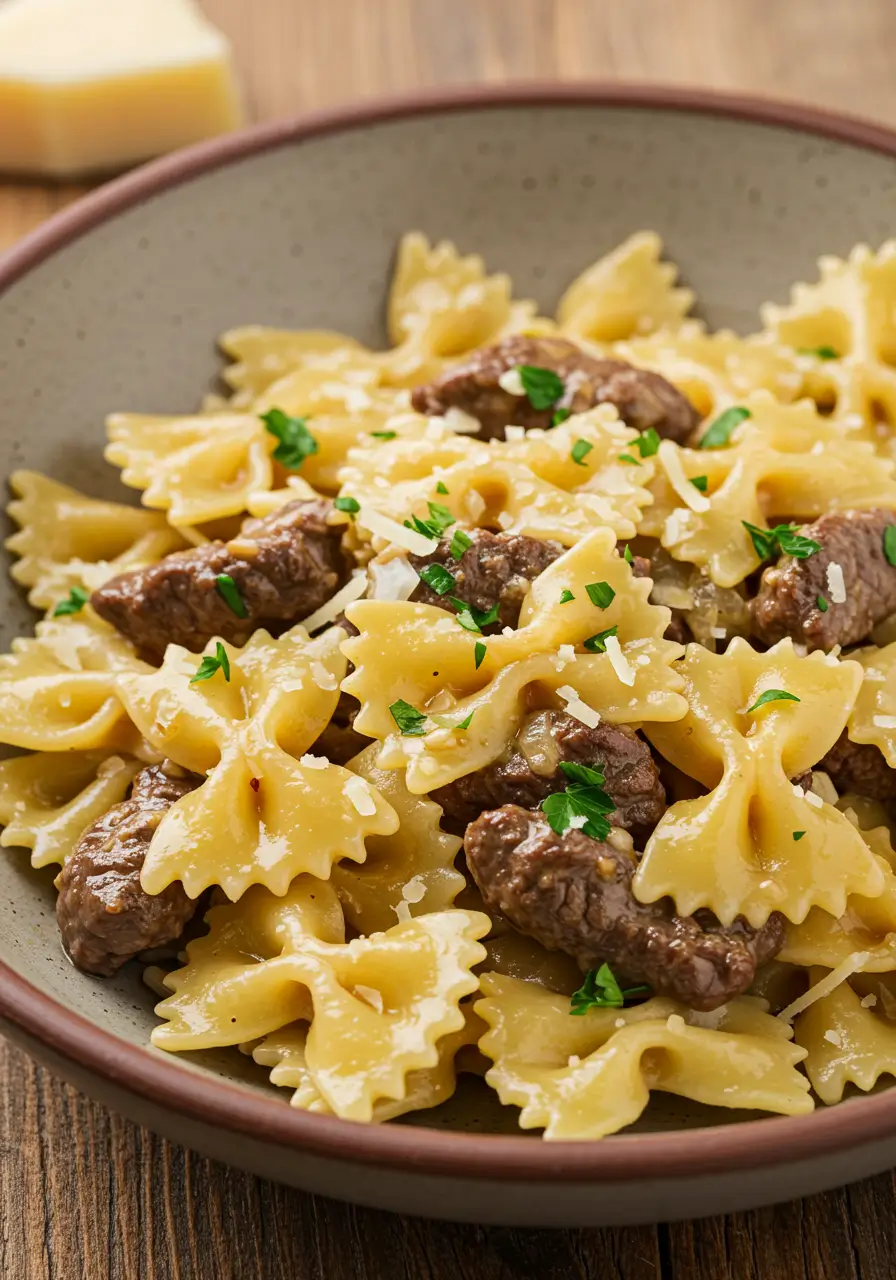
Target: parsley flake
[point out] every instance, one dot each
(350, 505)
(585, 798)
(700, 482)
(296, 441)
(647, 443)
(479, 652)
(230, 594)
(783, 537)
(627, 457)
(466, 722)
(437, 577)
(439, 520)
(440, 488)
(598, 643)
(459, 544)
(209, 665)
(798, 835)
(73, 603)
(580, 451)
(566, 595)
(384, 435)
(820, 353)
(627, 555)
(821, 604)
(560, 415)
(890, 544)
(473, 619)
(600, 990)
(410, 721)
(772, 695)
(543, 387)
(719, 433)
(601, 594)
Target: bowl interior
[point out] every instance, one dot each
(125, 317)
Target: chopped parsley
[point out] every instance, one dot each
(627, 555)
(627, 457)
(410, 721)
(230, 594)
(440, 488)
(384, 435)
(820, 353)
(784, 537)
(700, 482)
(466, 722)
(349, 505)
(437, 577)
(296, 441)
(798, 835)
(439, 520)
(210, 665)
(566, 595)
(772, 695)
(598, 643)
(821, 604)
(459, 544)
(890, 544)
(600, 990)
(543, 387)
(73, 603)
(580, 451)
(473, 619)
(560, 415)
(719, 433)
(584, 798)
(647, 443)
(479, 652)
(601, 594)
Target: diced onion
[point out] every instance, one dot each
(353, 590)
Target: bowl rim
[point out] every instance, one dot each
(159, 1079)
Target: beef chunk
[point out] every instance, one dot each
(787, 601)
(860, 767)
(642, 398)
(284, 566)
(104, 916)
(497, 569)
(530, 771)
(573, 893)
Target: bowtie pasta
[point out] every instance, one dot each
(516, 698)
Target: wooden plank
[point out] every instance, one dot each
(85, 1194)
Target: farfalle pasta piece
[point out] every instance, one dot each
(262, 356)
(585, 1077)
(532, 486)
(407, 873)
(716, 370)
(196, 468)
(847, 1041)
(844, 327)
(422, 655)
(377, 1006)
(267, 811)
(284, 1052)
(47, 800)
(873, 718)
(443, 305)
(59, 690)
(628, 292)
(785, 460)
(756, 843)
(66, 539)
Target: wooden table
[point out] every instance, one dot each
(87, 1196)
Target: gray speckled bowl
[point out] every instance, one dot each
(117, 302)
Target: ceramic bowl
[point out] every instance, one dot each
(116, 303)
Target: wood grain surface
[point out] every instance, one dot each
(87, 1196)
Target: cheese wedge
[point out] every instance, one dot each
(96, 85)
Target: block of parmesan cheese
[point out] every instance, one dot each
(95, 85)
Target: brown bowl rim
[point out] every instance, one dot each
(161, 1081)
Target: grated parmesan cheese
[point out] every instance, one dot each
(514, 433)
(836, 584)
(565, 655)
(675, 1022)
(710, 1020)
(475, 504)
(462, 424)
(690, 496)
(884, 722)
(578, 709)
(358, 792)
(673, 529)
(414, 890)
(393, 579)
(868, 1002)
(511, 382)
(370, 996)
(845, 969)
(505, 520)
(403, 911)
(314, 762)
(572, 1061)
(618, 661)
(718, 633)
(329, 612)
(417, 543)
(833, 1037)
(619, 1023)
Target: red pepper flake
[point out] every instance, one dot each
(255, 783)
